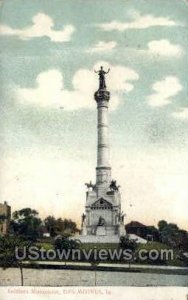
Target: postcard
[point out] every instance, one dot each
(94, 144)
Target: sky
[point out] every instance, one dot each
(48, 53)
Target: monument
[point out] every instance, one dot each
(103, 220)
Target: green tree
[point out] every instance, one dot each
(65, 243)
(127, 243)
(8, 258)
(183, 240)
(51, 226)
(26, 223)
(151, 230)
(65, 227)
(170, 234)
(162, 224)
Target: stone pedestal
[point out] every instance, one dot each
(84, 230)
(122, 231)
(101, 230)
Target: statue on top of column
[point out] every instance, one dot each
(102, 73)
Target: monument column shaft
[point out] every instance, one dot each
(103, 138)
(103, 173)
(102, 97)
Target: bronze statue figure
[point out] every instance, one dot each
(102, 73)
(113, 186)
(90, 185)
(122, 217)
(83, 219)
(101, 221)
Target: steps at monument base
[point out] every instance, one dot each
(114, 239)
(107, 239)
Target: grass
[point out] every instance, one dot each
(149, 246)
(45, 245)
(172, 261)
(98, 246)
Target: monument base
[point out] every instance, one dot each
(101, 231)
(101, 239)
(84, 230)
(97, 239)
(122, 231)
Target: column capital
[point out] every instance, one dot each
(102, 96)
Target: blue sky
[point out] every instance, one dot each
(48, 51)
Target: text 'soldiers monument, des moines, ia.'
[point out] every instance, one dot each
(103, 220)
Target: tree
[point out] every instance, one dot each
(171, 235)
(7, 253)
(65, 227)
(183, 240)
(62, 243)
(162, 224)
(26, 223)
(127, 243)
(154, 232)
(50, 224)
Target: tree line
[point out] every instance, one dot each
(27, 224)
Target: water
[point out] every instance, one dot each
(33, 277)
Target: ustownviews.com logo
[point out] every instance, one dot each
(34, 253)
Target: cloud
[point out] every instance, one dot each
(138, 22)
(164, 91)
(42, 26)
(50, 92)
(119, 77)
(182, 114)
(165, 48)
(102, 47)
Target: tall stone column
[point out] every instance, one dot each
(103, 169)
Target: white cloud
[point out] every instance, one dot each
(182, 114)
(165, 48)
(50, 91)
(164, 91)
(138, 22)
(102, 47)
(119, 77)
(42, 26)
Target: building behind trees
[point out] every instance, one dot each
(5, 215)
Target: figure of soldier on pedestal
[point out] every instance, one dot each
(102, 73)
